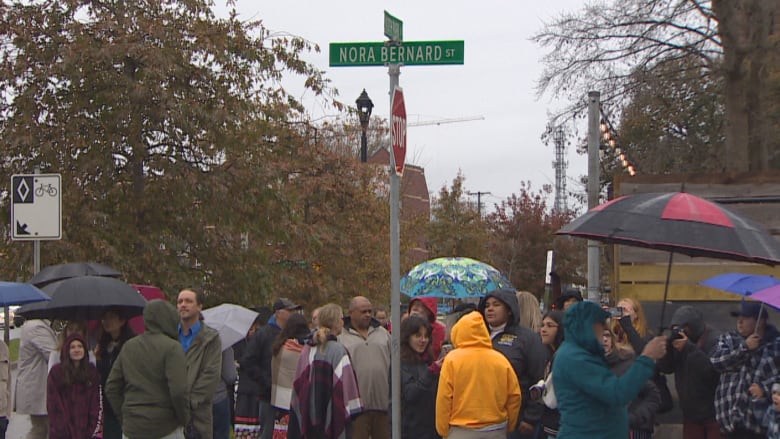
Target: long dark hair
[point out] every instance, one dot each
(71, 372)
(410, 326)
(297, 327)
(104, 339)
(557, 316)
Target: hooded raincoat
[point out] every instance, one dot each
(147, 386)
(592, 400)
(524, 350)
(478, 388)
(74, 407)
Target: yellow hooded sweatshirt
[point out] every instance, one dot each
(477, 386)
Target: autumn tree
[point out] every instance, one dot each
(145, 108)
(456, 228)
(602, 46)
(673, 124)
(522, 229)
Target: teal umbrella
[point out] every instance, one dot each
(453, 278)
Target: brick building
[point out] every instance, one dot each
(415, 200)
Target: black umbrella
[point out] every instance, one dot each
(86, 298)
(677, 222)
(53, 273)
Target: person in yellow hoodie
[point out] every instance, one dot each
(478, 396)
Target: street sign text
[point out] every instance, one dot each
(409, 53)
(394, 28)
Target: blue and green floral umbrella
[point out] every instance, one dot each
(452, 278)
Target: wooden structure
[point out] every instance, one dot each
(641, 273)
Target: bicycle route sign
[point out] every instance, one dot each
(36, 207)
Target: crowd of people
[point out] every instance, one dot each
(498, 369)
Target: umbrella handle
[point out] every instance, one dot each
(760, 310)
(666, 294)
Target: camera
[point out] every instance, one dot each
(536, 390)
(616, 312)
(677, 334)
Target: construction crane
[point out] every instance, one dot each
(443, 121)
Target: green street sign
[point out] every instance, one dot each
(394, 28)
(409, 53)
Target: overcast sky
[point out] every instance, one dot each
(496, 82)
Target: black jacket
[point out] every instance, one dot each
(524, 350)
(254, 375)
(418, 401)
(641, 411)
(694, 376)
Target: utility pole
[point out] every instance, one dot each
(479, 200)
(594, 294)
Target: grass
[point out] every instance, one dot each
(13, 350)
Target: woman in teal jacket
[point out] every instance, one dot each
(591, 399)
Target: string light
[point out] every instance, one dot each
(607, 132)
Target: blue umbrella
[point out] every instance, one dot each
(744, 285)
(452, 278)
(740, 283)
(15, 293)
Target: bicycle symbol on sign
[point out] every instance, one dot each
(46, 188)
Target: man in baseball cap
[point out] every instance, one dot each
(736, 357)
(285, 303)
(754, 310)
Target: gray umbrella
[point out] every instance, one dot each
(53, 273)
(86, 298)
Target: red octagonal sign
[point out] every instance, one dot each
(398, 115)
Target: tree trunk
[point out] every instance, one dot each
(745, 27)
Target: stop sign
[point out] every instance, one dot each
(398, 117)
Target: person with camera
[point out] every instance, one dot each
(642, 409)
(631, 331)
(592, 400)
(692, 341)
(737, 357)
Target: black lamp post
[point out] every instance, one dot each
(364, 106)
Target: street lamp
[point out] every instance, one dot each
(364, 106)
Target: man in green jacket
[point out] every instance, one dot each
(146, 388)
(203, 352)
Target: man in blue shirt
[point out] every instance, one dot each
(203, 353)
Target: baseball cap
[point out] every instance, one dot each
(284, 303)
(750, 309)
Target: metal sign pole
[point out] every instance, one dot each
(37, 242)
(394, 71)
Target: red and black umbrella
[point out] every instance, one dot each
(677, 222)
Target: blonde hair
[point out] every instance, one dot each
(641, 321)
(640, 324)
(329, 318)
(530, 314)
